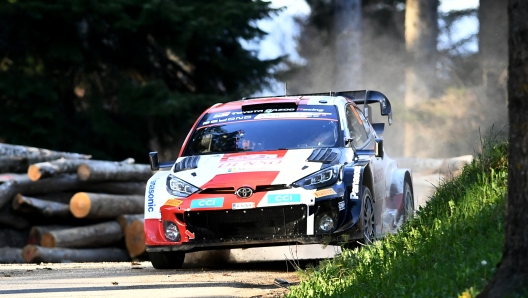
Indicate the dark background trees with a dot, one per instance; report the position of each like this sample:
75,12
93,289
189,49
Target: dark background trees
511,276
116,79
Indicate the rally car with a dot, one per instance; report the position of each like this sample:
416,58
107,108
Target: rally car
279,170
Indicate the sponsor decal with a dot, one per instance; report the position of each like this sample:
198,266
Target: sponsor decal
269,111
249,163
173,202
252,157
227,119
341,205
292,115
208,203
286,198
189,234
150,201
324,192
218,115
310,110
355,182
247,205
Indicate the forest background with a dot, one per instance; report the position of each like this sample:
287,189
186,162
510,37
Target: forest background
120,79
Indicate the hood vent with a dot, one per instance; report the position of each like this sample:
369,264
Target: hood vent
324,155
190,162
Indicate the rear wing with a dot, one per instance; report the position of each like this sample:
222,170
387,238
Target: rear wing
367,97
364,97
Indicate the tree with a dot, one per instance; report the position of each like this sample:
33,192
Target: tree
347,32
493,47
421,33
116,79
511,275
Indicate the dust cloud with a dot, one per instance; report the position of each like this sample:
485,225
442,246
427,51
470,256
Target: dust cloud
459,116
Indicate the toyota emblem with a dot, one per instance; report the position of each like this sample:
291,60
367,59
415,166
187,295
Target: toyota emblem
244,192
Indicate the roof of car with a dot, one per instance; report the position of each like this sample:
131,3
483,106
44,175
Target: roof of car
298,100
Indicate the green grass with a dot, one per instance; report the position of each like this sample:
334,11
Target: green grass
450,249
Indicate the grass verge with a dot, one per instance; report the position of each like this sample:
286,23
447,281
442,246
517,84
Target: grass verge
450,249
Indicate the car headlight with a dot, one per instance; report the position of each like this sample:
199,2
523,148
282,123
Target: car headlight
319,179
180,188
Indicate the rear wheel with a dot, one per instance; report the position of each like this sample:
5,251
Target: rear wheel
167,259
407,210
367,217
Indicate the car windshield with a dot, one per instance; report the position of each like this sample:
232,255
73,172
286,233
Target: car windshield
262,132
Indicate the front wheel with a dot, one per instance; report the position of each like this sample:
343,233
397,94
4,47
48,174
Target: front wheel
167,259
367,217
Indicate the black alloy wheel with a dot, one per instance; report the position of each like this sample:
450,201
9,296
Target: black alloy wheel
167,259
367,217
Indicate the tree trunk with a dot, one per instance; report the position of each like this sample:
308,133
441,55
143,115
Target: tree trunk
493,49
11,255
47,208
14,158
99,235
64,182
113,171
37,254
13,238
421,33
347,36
135,238
125,220
52,168
5,177
93,205
9,218
36,232
511,277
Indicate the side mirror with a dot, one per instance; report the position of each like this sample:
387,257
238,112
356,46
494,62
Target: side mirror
348,141
378,148
154,162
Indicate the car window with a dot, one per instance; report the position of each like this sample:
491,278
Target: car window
364,120
234,131
355,126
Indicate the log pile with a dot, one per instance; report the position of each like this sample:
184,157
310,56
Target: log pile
66,207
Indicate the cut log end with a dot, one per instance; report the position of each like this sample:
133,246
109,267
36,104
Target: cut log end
135,239
29,253
80,205
83,171
47,240
34,173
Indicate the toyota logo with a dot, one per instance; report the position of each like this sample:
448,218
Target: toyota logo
244,192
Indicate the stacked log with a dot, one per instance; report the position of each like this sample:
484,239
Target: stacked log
66,207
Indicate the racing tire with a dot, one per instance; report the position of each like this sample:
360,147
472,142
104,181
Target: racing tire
167,259
408,205
368,219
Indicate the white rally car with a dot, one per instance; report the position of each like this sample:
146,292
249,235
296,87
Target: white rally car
279,170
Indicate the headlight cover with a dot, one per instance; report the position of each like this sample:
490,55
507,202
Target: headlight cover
319,179
180,188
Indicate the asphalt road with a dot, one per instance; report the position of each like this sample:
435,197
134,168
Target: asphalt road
257,272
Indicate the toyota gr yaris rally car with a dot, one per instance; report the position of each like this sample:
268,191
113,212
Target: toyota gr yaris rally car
279,170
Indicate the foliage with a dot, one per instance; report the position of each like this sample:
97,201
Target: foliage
449,249
109,78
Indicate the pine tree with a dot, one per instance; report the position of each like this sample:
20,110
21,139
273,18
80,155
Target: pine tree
118,78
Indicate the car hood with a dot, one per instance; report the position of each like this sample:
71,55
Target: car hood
246,168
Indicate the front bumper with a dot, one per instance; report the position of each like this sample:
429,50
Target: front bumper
244,243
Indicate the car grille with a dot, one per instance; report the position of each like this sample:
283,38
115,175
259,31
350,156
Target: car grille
257,223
